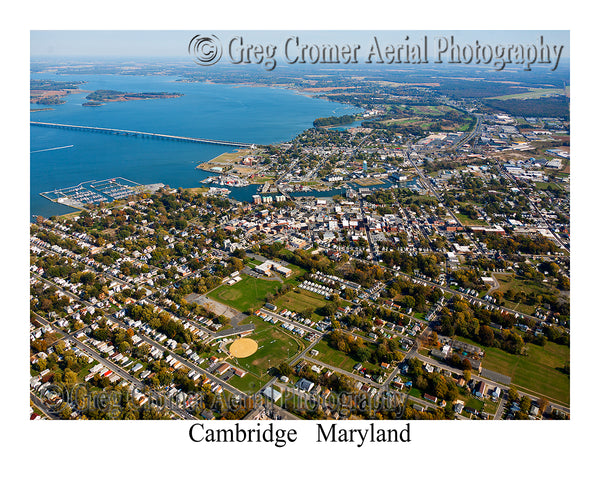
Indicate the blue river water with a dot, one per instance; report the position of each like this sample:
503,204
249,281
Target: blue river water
225,112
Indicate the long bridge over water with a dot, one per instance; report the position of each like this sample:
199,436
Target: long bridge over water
133,133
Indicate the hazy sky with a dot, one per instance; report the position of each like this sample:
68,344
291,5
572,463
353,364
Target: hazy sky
174,43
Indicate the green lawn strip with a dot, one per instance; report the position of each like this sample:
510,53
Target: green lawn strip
464,127
248,384
546,185
509,281
415,392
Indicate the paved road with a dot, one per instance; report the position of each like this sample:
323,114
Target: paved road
289,320
469,136
500,409
39,404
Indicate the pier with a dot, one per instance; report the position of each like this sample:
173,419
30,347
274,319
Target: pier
133,133
94,192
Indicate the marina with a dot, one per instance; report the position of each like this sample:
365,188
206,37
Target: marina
94,192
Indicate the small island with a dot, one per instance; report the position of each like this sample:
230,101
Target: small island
100,97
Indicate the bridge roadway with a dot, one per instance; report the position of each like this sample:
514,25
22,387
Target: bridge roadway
133,133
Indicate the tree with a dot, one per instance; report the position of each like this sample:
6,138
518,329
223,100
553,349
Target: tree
513,396
421,383
564,283
328,309
486,335
41,364
237,264
440,389
65,412
362,354
525,404
284,369
100,334
543,404
70,377
466,364
59,347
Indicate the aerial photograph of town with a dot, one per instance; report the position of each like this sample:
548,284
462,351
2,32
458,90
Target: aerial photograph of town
301,225
331,239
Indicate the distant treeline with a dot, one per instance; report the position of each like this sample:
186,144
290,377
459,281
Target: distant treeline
100,95
53,100
469,89
52,85
538,107
103,95
328,121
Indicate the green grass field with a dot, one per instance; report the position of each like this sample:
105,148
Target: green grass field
509,281
248,384
490,407
339,359
536,372
249,293
274,347
474,403
468,221
547,185
299,301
